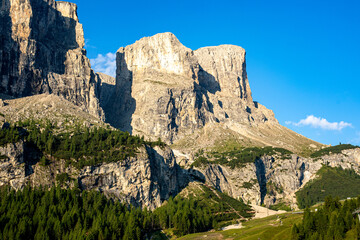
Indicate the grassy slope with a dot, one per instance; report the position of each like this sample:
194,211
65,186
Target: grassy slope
218,137
330,181
226,208
333,149
238,158
265,228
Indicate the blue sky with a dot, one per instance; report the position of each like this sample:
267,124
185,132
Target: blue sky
303,57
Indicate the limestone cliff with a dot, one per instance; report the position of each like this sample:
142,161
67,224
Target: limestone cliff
164,89
42,51
12,165
145,180
274,179
107,88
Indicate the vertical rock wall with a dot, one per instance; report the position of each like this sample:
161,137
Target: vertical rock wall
164,89
42,51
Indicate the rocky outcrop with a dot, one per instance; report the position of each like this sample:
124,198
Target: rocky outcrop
164,89
273,179
48,107
146,180
12,165
42,51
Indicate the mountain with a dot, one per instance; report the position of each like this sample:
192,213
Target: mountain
60,119
42,51
164,89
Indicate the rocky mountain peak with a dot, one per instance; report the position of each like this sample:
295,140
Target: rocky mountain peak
164,89
226,65
161,53
41,51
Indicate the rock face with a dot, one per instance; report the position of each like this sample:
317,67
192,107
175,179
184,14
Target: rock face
12,165
41,51
167,90
164,89
271,179
107,88
145,180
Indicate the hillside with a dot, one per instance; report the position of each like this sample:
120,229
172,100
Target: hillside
121,166
71,213
270,228
335,182
46,107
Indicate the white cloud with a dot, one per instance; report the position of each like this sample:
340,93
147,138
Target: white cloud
105,64
317,122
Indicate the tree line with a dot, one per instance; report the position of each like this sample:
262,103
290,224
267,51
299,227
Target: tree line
68,214
331,181
80,147
333,220
56,213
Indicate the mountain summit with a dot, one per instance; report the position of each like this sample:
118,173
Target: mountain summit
42,51
166,90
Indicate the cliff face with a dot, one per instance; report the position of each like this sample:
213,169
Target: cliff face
107,88
12,165
272,179
223,73
41,51
164,89
145,180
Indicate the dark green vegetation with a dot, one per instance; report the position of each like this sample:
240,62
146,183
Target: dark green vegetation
331,181
82,147
238,158
184,216
333,220
69,214
226,208
333,149
280,206
202,209
250,184
9,134
62,178
72,214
